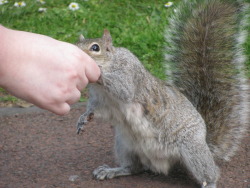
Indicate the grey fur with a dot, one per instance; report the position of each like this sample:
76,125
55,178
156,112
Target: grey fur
155,124
205,40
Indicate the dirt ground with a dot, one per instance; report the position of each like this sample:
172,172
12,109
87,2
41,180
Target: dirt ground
41,150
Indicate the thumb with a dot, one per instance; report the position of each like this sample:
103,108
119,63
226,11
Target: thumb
92,70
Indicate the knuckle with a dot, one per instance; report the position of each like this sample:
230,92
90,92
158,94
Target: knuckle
73,73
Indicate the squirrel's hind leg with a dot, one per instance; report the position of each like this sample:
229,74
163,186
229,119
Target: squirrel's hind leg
199,161
128,160
130,164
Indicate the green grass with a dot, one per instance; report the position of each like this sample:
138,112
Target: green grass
5,97
135,24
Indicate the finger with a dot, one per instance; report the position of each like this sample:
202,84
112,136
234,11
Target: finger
82,83
92,71
74,97
60,109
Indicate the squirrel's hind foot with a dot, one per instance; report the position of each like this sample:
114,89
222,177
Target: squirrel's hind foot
209,185
105,172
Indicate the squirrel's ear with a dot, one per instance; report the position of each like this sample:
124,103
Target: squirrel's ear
107,40
81,38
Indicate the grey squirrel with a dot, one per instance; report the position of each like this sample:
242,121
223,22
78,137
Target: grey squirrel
200,116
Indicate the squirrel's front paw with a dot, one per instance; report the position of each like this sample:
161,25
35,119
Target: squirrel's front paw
104,172
83,120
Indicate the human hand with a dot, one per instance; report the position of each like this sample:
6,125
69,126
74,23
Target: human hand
44,71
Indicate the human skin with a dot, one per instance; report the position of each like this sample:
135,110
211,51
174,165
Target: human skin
44,71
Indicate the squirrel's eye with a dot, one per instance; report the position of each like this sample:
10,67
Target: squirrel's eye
95,47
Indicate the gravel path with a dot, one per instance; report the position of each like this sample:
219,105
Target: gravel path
39,149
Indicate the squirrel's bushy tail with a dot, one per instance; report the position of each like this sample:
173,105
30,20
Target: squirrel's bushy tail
205,40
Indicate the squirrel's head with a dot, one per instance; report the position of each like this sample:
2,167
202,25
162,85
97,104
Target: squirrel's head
100,49
113,62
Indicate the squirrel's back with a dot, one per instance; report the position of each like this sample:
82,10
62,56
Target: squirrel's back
205,39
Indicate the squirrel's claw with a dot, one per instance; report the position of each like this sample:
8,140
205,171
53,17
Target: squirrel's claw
80,124
79,129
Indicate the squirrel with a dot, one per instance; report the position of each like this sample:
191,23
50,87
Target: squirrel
197,117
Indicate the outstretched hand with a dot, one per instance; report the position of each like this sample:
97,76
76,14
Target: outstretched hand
44,71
